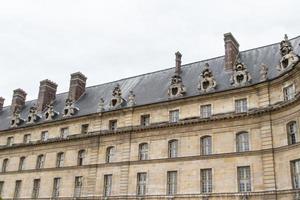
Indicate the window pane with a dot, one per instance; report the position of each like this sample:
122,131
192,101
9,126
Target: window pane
242,140
206,145
143,151
56,187
172,183
36,188
78,186
141,183
173,148
241,105
296,174
244,179
206,180
17,189
109,154
205,111
107,184
174,116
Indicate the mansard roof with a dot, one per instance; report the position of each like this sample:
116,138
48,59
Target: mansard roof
153,87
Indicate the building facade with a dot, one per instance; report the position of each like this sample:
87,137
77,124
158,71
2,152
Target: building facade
222,128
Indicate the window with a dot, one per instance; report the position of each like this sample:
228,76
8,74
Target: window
141,183
64,132
143,151
145,120
174,116
17,189
78,186
60,159
21,163
205,111
171,182
36,188
26,138
244,179
44,136
242,142
10,141
206,145
206,180
173,148
288,92
292,132
1,187
241,105
81,156
113,125
84,128
107,185
110,154
40,161
56,187
296,174
4,165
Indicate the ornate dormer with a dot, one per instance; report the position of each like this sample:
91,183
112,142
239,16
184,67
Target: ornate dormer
288,57
263,72
117,100
50,112
70,108
176,88
240,76
208,83
131,99
16,119
33,115
101,105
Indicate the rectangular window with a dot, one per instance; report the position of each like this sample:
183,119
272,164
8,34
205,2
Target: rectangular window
17,189
4,165
205,111
244,179
60,159
56,187
241,105
1,187
107,185
206,147
44,136
64,132
171,182
206,180
78,186
21,163
174,116
36,188
145,120
141,183
113,125
296,174
10,141
292,132
173,148
288,92
40,162
26,138
84,128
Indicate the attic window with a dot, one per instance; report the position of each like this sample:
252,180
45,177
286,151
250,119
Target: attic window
174,91
114,102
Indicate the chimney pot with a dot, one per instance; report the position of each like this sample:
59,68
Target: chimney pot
1,103
47,94
231,50
18,100
77,86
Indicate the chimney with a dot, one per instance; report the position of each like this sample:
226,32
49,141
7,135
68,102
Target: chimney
18,100
47,93
77,86
1,103
231,51
178,62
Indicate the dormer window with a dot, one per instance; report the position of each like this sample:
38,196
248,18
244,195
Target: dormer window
208,82
50,112
117,100
69,109
33,116
289,92
240,76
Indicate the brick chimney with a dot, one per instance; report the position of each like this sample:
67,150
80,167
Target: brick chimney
77,86
1,103
18,100
178,57
47,93
231,51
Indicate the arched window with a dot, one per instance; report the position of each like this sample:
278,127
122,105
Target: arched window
242,142
21,163
206,147
80,157
4,165
173,148
40,161
143,151
60,159
292,132
110,154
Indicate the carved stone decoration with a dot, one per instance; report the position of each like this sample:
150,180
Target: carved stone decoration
16,119
208,83
50,112
263,72
288,57
101,105
117,100
240,76
33,116
131,99
69,108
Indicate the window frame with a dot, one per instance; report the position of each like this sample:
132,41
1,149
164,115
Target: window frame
204,112
56,187
78,183
107,185
10,141
173,148
247,182
143,153
110,152
64,132
242,145
44,136
172,187
206,183
141,184
204,150
81,157
295,134
84,128
241,105
294,177
145,120
287,94
60,158
36,188
5,163
40,160
27,138
113,125
18,188
21,163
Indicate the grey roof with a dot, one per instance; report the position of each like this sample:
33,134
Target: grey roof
152,87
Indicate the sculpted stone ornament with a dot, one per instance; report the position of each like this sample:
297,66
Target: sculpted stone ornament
101,105
16,119
289,58
33,116
131,99
117,100
263,72
69,108
240,76
50,112
208,83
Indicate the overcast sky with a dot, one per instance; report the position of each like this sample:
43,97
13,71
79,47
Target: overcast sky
112,39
